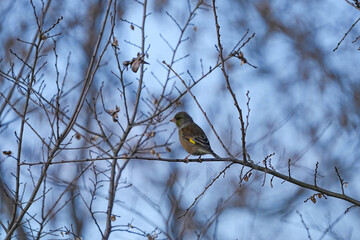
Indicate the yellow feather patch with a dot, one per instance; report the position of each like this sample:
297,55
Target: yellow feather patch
192,141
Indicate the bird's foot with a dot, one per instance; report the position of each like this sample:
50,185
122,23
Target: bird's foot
187,158
199,160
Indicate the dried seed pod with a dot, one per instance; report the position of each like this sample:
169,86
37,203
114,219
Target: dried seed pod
7,153
77,136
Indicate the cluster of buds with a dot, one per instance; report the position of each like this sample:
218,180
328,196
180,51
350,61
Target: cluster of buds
240,55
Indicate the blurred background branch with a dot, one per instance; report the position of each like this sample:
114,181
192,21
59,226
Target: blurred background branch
85,102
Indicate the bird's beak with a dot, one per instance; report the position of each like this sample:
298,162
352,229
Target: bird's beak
172,120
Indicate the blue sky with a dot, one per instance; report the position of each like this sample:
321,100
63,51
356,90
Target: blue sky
276,89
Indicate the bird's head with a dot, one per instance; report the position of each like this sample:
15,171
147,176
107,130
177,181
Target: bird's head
181,118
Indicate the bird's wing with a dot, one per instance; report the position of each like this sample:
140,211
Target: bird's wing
194,134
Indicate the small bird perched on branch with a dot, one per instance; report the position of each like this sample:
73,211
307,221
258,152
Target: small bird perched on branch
192,137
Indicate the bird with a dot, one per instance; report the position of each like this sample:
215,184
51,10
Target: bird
191,136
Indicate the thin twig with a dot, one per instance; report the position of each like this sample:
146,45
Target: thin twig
205,189
341,180
243,133
305,226
346,35
315,174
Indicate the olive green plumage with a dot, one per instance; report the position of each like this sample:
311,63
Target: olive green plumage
191,136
